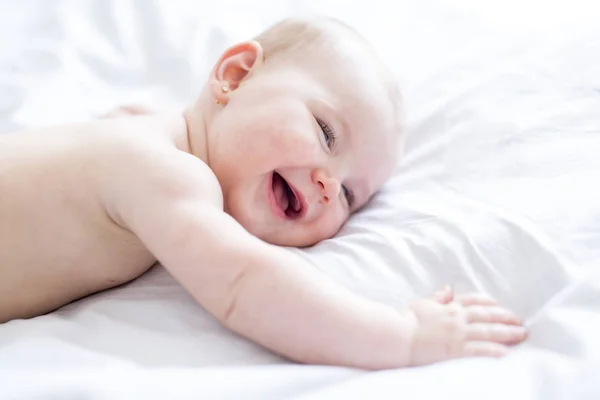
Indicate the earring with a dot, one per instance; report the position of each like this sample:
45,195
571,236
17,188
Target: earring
224,90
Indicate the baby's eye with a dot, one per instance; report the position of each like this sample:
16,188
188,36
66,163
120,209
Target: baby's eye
327,133
348,194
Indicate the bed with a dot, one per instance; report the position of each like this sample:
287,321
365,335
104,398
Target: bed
497,192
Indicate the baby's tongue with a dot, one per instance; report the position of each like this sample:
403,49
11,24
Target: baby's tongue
280,193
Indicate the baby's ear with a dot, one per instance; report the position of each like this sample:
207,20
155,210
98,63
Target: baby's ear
233,67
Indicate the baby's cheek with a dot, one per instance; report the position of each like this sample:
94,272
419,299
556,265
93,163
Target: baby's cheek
296,151
298,145
330,225
292,134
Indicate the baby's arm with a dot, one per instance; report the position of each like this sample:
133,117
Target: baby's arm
274,298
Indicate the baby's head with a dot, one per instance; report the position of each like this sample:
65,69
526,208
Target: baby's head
302,127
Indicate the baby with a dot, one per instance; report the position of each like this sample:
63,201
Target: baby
293,132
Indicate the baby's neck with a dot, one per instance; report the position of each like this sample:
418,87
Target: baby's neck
195,140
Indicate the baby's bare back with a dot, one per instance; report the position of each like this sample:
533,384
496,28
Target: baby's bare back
57,240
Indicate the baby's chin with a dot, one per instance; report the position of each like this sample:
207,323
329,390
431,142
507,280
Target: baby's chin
253,221
274,233
287,236
279,240
268,232
266,227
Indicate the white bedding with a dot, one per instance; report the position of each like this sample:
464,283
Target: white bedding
498,192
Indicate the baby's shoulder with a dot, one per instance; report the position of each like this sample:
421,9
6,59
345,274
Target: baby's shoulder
139,161
132,137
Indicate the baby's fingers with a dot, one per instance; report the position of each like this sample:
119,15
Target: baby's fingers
484,349
500,333
444,296
493,314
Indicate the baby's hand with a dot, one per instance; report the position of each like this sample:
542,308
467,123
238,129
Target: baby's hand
471,325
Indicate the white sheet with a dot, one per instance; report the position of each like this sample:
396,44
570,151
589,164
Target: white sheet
497,193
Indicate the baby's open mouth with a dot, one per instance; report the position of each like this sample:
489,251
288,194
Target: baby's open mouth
286,197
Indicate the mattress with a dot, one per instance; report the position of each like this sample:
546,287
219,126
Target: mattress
495,194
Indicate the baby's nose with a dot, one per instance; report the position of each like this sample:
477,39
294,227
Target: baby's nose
328,185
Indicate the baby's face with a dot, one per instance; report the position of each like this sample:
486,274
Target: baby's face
301,145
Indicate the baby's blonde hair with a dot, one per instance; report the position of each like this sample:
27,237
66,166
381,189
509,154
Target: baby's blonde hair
294,36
